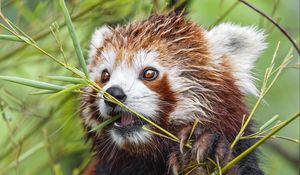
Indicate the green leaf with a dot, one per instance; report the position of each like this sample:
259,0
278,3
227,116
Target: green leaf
269,122
57,170
75,70
105,123
12,38
43,92
67,90
67,79
74,37
32,83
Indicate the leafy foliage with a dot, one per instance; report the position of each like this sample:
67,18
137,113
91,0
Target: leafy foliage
41,134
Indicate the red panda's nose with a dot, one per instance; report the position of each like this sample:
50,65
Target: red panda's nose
116,92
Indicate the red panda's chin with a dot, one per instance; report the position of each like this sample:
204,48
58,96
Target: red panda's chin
129,135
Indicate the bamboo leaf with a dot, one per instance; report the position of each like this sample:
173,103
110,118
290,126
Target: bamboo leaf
75,70
74,37
10,38
269,122
105,123
66,90
43,92
66,79
58,170
32,83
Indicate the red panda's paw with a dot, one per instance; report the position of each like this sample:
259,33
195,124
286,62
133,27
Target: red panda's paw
178,165
208,148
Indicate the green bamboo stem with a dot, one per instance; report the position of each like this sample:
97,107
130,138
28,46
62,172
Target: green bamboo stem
10,38
74,37
33,83
258,143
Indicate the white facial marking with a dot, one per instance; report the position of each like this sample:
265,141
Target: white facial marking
108,57
117,138
146,58
139,137
97,40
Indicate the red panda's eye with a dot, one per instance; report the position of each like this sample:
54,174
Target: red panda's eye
105,76
149,74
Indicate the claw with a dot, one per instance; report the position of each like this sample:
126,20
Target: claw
175,170
198,156
181,145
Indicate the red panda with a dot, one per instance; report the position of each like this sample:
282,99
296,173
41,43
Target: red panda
171,71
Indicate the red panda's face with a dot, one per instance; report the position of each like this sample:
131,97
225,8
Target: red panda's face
137,79
140,79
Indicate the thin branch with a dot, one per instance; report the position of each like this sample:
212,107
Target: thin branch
178,5
258,143
225,14
275,23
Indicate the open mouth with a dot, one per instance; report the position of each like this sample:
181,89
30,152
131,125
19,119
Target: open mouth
128,130
128,122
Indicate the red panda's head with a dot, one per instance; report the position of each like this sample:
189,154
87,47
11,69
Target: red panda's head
169,70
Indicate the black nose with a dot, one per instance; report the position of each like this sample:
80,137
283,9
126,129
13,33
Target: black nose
116,92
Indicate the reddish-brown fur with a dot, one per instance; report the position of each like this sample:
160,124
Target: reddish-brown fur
178,42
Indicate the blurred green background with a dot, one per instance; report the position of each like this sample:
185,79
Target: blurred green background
42,135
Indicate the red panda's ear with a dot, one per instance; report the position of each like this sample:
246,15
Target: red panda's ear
97,40
241,46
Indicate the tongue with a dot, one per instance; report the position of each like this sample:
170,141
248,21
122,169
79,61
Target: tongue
126,119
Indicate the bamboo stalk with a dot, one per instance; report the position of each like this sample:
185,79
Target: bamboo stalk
258,143
74,37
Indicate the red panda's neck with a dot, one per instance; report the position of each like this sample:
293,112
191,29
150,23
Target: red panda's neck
122,164
230,109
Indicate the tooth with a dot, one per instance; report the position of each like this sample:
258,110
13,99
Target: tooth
116,124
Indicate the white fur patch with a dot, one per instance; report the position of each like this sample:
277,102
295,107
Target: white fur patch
189,104
97,40
137,137
108,57
242,46
146,58
117,138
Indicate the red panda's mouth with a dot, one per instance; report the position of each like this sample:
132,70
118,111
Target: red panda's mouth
128,121
128,130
